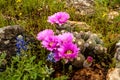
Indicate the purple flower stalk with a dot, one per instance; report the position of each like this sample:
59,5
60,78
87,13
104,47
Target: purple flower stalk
20,44
45,33
50,57
50,43
68,51
59,18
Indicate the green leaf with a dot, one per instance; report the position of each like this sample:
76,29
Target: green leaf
25,77
32,58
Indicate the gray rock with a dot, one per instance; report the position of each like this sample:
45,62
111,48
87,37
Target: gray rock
83,7
113,74
117,55
8,36
73,25
112,15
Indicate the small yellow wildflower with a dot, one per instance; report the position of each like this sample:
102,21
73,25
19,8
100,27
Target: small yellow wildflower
104,15
20,14
18,1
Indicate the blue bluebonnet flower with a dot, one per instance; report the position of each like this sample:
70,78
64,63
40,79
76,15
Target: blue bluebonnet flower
20,44
50,57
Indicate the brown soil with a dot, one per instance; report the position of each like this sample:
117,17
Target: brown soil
95,72
92,73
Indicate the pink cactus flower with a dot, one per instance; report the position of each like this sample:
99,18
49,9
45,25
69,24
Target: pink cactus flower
57,56
45,33
61,45
59,18
68,51
50,43
89,59
65,37
51,19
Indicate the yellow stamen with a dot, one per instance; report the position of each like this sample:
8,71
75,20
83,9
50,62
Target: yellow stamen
51,43
68,52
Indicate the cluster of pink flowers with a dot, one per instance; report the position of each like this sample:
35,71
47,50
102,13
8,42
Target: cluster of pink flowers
61,45
58,18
